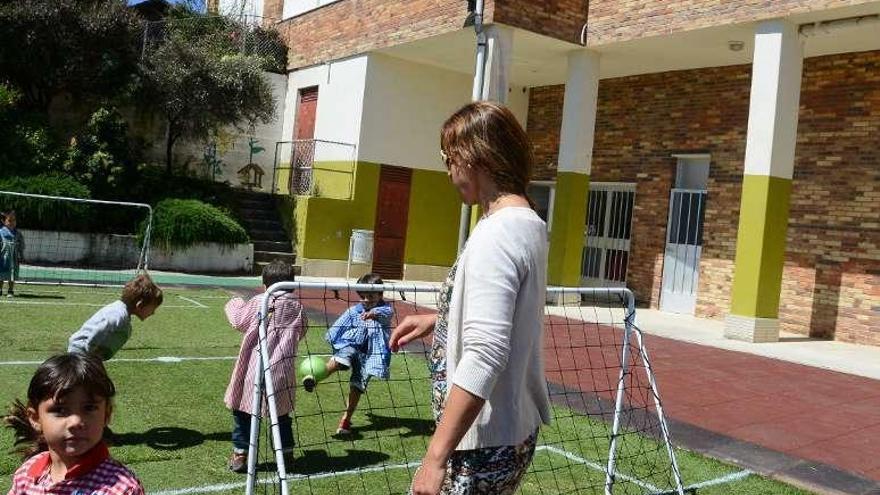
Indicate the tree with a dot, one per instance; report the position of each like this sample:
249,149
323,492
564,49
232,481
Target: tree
88,49
200,79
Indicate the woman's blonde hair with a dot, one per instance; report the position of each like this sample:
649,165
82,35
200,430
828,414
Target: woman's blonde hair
487,136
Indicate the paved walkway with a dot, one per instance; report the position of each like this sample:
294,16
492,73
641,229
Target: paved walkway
777,408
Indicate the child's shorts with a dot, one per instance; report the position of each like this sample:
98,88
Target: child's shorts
351,358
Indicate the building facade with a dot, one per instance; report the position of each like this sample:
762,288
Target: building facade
720,158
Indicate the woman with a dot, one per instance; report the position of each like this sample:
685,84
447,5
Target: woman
489,393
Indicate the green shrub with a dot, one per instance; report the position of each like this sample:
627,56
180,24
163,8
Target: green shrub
180,223
26,145
36,213
101,157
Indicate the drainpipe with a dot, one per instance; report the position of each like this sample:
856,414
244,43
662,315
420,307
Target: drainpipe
477,94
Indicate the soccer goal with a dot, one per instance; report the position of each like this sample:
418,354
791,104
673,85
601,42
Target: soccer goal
76,241
608,435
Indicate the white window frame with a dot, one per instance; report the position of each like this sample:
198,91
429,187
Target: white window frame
289,10
551,199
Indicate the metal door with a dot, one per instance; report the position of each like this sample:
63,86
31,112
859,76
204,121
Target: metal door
684,246
392,212
607,235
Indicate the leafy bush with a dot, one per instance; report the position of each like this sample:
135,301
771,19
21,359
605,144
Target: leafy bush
34,213
101,156
26,146
180,223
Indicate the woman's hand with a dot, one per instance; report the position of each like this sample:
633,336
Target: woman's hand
429,478
412,327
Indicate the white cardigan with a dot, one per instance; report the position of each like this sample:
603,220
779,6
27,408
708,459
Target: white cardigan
495,327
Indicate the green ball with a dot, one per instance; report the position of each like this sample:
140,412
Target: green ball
315,366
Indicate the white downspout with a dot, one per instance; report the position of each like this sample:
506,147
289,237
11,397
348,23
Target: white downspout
477,94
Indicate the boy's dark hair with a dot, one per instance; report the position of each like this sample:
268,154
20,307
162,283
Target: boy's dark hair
370,278
141,290
277,271
56,377
4,214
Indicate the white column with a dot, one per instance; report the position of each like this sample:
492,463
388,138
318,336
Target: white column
579,112
774,101
766,187
499,51
573,172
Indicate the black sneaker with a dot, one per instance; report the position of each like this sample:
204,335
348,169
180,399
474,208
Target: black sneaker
309,383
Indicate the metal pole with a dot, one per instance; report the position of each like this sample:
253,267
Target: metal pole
269,387
664,428
621,385
478,93
256,412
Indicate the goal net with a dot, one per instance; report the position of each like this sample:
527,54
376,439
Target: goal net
608,434
77,241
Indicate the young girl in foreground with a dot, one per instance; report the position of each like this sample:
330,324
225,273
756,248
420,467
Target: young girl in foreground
60,432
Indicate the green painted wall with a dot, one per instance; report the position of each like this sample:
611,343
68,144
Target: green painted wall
333,179
432,226
567,232
760,246
324,224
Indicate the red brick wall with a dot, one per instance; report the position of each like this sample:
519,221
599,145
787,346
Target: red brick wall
834,230
351,27
561,19
835,219
619,20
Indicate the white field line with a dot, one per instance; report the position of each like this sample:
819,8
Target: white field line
84,304
198,304
721,480
159,359
172,359
300,477
580,460
294,477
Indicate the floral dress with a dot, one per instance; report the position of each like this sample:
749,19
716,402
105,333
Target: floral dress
490,470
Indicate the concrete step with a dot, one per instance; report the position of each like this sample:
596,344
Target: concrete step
256,204
253,224
277,235
269,256
251,194
258,268
257,214
273,246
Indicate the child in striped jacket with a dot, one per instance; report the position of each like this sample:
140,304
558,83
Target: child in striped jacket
287,326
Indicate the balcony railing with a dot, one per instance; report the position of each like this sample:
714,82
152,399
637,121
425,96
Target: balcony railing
311,167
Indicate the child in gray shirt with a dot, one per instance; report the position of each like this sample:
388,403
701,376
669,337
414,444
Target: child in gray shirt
109,329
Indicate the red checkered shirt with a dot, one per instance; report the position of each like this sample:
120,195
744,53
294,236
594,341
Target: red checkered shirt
95,474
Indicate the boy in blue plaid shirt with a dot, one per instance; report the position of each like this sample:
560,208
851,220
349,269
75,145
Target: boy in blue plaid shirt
359,339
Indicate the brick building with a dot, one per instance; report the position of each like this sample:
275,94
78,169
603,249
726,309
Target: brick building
719,157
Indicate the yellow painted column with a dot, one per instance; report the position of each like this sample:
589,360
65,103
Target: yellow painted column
573,174
766,189
567,233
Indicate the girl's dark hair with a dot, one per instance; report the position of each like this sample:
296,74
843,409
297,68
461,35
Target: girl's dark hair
278,271
369,278
56,377
487,136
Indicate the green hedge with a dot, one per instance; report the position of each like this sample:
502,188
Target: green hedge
180,223
38,213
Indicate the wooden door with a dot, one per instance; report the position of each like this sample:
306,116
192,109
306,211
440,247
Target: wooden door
305,113
392,211
303,150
